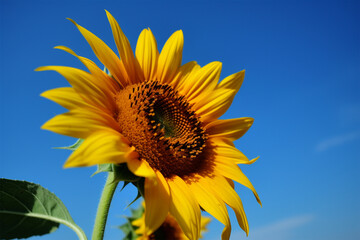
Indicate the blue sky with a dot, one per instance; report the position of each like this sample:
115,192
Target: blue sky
302,61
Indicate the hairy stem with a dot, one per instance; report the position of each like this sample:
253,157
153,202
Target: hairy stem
103,208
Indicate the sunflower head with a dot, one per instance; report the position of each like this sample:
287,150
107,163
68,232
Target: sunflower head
160,119
169,229
163,128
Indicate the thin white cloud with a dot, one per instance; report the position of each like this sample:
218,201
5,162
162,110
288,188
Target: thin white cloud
279,230
336,141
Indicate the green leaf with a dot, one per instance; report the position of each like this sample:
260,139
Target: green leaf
74,146
128,228
106,167
137,213
28,209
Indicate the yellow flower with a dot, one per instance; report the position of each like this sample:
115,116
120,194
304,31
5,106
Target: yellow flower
161,119
169,229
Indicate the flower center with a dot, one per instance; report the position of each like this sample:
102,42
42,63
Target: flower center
160,124
170,229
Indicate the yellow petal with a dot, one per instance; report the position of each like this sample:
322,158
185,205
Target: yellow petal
105,55
170,57
185,71
225,192
126,54
213,105
211,204
226,151
66,97
82,83
184,208
142,237
230,128
203,81
80,123
233,81
140,167
101,147
157,197
204,222
100,79
232,171
138,222
147,54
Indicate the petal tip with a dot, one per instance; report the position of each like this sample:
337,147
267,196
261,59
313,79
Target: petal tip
39,69
45,126
253,160
60,47
108,14
179,35
72,21
218,64
69,164
44,94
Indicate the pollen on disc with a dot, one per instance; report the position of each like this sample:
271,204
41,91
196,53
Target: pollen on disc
160,124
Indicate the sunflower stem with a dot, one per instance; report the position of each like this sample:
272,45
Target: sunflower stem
104,206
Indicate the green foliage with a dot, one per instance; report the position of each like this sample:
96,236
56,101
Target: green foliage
136,198
128,228
106,167
128,231
136,213
121,171
73,147
28,209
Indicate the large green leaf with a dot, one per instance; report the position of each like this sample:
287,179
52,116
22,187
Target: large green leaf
28,209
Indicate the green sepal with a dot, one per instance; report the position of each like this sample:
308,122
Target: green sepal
73,147
125,184
122,173
106,167
138,194
136,198
27,209
140,186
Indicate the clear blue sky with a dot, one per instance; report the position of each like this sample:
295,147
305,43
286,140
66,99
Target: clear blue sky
302,86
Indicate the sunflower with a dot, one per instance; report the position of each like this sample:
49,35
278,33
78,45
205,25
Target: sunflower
160,118
169,229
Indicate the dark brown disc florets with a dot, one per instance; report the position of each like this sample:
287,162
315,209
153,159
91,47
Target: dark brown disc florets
170,229
160,124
